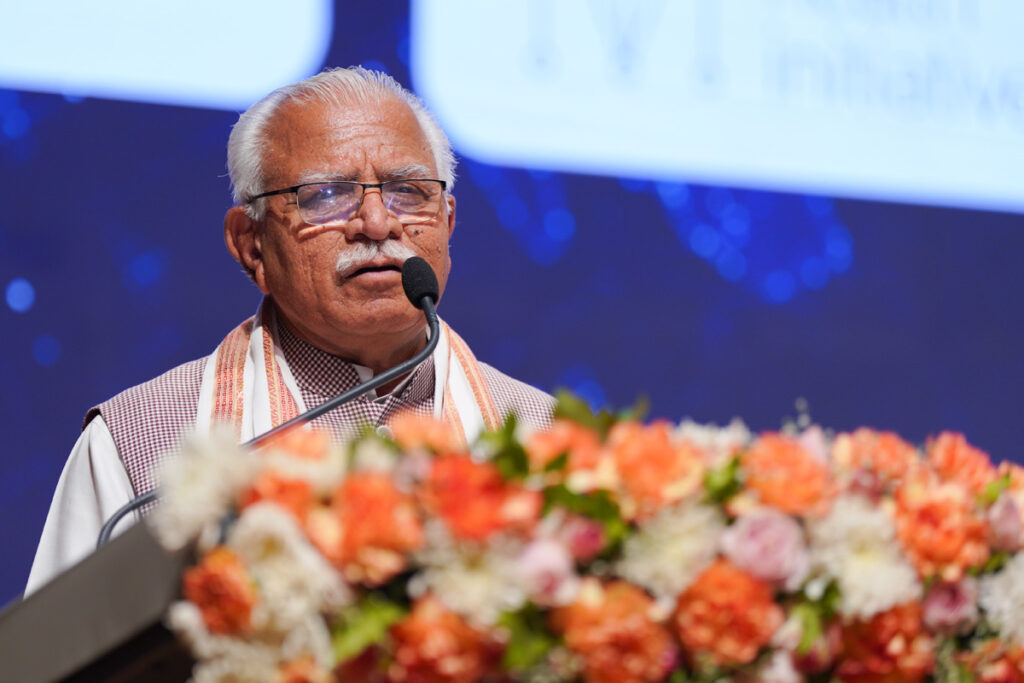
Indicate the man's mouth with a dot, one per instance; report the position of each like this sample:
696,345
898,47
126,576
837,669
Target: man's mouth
374,269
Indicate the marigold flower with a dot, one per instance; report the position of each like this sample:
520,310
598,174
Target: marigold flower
413,431
655,469
956,460
611,628
727,614
223,591
882,453
564,436
304,443
434,645
475,501
891,647
376,526
293,495
786,476
994,661
302,670
937,526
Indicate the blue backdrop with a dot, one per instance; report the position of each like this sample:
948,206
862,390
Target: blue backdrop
714,301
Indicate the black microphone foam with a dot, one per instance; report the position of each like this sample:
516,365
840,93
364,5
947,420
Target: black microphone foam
418,281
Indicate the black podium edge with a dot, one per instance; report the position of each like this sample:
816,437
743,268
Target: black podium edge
99,620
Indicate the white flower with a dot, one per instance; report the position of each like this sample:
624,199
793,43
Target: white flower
323,475
478,585
1002,598
295,581
220,658
856,545
671,549
717,443
309,637
198,486
374,455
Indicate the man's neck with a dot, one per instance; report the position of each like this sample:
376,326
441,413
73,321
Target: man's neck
376,354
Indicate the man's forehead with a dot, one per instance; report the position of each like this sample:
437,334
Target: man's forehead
319,141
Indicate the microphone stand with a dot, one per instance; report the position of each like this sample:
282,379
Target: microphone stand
426,303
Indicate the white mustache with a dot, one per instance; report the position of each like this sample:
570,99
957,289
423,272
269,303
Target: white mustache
361,254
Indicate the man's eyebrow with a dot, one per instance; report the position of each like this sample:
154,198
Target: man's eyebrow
407,171
321,177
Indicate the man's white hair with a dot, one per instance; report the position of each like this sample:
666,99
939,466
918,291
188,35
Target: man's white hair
354,85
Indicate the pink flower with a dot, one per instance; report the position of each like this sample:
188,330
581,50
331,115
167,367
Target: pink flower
1005,524
814,442
777,669
769,545
585,537
548,572
951,608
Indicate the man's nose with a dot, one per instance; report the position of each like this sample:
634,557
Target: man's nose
373,220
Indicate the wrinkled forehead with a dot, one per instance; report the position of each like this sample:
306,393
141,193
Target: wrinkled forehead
343,138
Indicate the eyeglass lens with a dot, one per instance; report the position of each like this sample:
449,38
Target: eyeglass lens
410,201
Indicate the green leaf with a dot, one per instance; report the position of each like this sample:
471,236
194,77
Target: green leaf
947,669
723,483
994,563
507,453
811,629
529,640
363,624
991,492
679,676
557,464
569,406
596,505
638,411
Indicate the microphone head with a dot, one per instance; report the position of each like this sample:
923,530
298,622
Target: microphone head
418,281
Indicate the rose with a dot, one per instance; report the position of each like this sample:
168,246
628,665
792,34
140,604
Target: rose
951,608
769,545
1005,527
548,573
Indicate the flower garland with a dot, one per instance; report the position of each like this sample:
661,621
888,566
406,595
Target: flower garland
599,549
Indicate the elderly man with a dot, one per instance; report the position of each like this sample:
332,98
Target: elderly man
338,179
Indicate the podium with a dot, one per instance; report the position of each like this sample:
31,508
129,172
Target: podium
101,620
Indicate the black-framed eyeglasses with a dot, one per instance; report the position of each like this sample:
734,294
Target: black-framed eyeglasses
334,202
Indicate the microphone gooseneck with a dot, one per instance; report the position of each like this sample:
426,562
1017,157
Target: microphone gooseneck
420,285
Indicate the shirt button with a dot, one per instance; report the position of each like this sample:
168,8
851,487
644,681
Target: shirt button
385,432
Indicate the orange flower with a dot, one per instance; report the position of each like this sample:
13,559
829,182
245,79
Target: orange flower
373,527
785,475
995,662
413,431
939,529
564,436
474,500
610,627
1016,474
891,647
956,460
302,670
728,614
434,645
294,495
304,443
883,453
654,468
221,588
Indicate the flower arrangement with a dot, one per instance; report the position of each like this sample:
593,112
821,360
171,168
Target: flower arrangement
599,549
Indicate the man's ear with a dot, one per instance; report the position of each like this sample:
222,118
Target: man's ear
242,237
451,214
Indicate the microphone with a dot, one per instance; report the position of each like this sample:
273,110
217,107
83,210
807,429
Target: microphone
421,288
